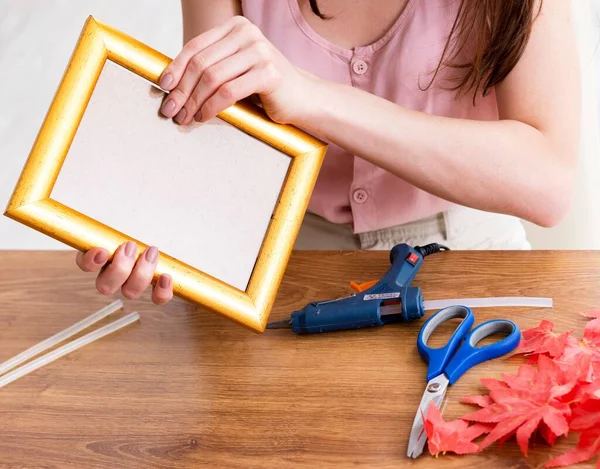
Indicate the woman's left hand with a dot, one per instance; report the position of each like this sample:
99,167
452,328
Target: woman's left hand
227,64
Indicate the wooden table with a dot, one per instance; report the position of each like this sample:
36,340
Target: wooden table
184,388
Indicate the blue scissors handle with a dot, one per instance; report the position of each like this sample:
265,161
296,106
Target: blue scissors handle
462,352
438,358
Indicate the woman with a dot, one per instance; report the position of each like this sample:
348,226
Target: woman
448,120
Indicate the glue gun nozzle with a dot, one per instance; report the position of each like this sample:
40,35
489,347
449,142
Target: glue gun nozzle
283,324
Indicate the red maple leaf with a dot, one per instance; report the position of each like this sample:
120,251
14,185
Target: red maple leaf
528,399
586,407
587,447
456,436
546,434
590,391
586,416
493,384
582,393
583,354
480,401
523,380
595,314
582,358
593,326
542,340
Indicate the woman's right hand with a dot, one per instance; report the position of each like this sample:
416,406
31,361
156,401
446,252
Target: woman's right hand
125,273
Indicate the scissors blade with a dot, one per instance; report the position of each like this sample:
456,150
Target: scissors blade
434,392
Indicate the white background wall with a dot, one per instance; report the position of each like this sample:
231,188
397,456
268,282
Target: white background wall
581,228
36,41
38,36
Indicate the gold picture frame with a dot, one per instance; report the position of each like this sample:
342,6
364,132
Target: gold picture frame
31,204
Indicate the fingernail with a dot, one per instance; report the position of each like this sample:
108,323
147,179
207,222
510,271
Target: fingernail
152,254
181,115
168,108
101,257
166,81
130,249
198,117
165,281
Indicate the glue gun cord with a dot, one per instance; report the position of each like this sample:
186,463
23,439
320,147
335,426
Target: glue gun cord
432,248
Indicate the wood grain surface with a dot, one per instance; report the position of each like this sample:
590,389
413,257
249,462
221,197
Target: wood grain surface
185,388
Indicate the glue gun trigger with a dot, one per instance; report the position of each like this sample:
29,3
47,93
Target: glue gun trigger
361,287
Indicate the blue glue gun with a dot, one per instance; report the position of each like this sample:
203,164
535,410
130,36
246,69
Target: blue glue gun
390,300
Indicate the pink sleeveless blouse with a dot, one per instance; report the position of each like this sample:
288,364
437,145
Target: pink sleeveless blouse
396,67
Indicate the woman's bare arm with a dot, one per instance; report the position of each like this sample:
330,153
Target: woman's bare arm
201,15
523,165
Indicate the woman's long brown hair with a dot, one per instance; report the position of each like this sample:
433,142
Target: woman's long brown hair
486,41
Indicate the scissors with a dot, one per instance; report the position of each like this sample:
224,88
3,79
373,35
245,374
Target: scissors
447,364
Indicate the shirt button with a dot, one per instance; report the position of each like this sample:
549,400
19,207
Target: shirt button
360,196
360,67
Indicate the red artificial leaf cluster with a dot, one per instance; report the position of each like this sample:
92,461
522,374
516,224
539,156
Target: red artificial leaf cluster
456,436
555,393
542,340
